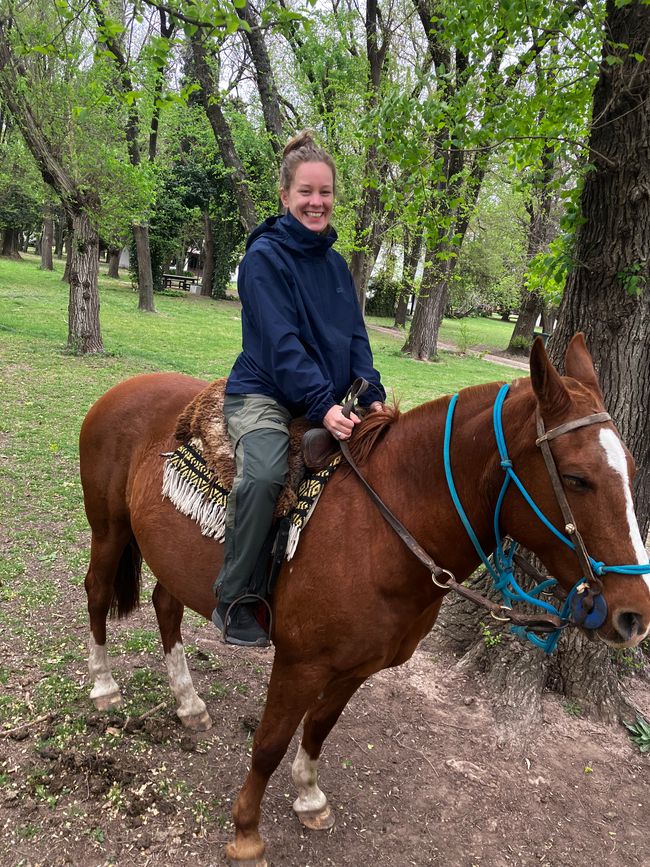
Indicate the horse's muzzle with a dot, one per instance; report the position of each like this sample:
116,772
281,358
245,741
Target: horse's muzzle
589,610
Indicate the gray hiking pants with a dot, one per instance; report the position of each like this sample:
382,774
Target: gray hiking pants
259,431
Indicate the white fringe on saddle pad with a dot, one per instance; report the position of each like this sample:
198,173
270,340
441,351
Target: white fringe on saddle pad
192,501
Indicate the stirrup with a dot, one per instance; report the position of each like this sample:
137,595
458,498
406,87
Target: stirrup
238,601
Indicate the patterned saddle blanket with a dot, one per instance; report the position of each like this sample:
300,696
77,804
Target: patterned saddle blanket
198,475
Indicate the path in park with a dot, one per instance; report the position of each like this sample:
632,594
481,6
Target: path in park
451,347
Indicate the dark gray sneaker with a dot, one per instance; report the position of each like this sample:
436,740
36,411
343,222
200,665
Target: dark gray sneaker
241,626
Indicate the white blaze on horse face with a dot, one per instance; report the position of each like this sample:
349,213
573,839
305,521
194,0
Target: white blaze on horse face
616,460
304,773
180,681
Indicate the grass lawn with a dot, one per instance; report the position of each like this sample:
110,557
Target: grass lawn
473,332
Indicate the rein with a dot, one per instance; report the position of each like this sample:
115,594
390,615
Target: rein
584,605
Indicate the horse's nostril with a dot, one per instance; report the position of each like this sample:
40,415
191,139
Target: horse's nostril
629,624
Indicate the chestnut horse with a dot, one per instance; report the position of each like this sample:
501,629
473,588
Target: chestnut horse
354,600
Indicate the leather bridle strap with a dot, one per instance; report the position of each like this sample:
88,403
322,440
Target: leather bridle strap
594,584
539,622
595,418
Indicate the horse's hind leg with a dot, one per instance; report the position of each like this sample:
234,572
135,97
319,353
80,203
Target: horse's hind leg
291,691
110,553
191,709
311,805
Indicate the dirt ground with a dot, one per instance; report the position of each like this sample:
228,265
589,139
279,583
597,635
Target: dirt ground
412,771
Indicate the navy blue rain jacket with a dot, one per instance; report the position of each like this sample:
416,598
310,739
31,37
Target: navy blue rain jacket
303,335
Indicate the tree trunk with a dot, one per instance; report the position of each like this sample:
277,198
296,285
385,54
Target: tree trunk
413,250
46,244
222,133
521,338
608,292
264,79
422,341
58,237
10,244
114,262
208,256
84,333
145,279
68,253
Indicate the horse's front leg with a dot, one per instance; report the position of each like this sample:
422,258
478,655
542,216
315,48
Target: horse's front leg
106,550
292,689
191,709
311,805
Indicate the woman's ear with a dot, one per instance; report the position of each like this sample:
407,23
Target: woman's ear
284,198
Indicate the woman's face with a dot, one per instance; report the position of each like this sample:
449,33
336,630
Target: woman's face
310,196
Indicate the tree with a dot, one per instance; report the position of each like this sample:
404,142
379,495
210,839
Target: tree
486,94
109,37
608,291
608,297
84,334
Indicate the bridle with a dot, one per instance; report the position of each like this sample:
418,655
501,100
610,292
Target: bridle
584,605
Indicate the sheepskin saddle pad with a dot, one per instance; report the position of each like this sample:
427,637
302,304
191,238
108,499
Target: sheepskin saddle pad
199,474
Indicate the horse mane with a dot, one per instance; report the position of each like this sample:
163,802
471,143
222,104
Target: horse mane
372,428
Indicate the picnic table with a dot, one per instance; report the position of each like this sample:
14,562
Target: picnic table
176,281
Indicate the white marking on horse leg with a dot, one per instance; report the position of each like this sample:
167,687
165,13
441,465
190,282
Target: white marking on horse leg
180,681
105,691
616,460
304,773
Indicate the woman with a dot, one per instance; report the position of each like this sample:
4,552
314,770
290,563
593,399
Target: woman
304,342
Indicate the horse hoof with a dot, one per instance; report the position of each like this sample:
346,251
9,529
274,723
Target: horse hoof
197,722
234,861
318,820
108,702
248,862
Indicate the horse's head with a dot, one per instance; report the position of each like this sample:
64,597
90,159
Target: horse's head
595,473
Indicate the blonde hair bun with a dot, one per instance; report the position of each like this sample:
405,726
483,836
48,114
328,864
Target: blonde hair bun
302,148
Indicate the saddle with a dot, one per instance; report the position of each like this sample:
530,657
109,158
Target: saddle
310,446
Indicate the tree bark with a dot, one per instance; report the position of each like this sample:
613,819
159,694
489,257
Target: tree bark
84,335
608,291
68,252
58,235
46,244
10,244
114,262
208,256
422,342
264,78
222,133
145,279
522,335
413,250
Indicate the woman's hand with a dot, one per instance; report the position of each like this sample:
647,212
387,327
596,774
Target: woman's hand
338,425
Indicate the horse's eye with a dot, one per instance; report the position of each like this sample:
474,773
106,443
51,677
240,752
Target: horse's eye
576,483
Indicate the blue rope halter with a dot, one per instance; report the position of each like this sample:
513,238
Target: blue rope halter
501,568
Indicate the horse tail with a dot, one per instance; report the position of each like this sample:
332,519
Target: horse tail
126,588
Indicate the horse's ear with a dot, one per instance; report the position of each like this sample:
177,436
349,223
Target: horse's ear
547,383
579,364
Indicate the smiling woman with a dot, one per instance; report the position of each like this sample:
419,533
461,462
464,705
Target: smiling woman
304,343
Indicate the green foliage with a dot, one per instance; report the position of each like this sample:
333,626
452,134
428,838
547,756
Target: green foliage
21,189
382,296
572,708
490,638
640,733
634,278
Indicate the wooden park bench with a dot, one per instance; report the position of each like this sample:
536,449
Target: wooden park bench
175,281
